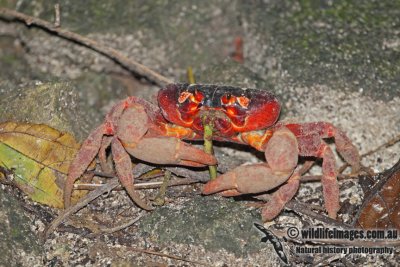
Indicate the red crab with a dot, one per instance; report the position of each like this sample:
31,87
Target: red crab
152,134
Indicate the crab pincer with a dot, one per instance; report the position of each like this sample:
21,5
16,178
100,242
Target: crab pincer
281,153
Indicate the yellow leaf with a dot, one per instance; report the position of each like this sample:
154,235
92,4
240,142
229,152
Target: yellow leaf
39,157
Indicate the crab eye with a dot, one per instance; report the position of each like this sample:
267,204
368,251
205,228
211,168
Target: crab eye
243,101
198,96
228,99
183,96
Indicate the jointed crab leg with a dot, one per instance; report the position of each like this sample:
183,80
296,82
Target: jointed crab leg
103,155
85,156
309,136
280,197
123,167
312,134
91,146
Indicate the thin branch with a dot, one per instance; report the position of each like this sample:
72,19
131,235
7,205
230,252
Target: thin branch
387,144
57,19
165,255
305,209
317,178
326,260
109,52
82,203
104,231
139,186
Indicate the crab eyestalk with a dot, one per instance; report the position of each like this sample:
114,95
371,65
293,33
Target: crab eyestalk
208,145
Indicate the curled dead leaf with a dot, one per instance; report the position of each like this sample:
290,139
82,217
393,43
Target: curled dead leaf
38,158
381,205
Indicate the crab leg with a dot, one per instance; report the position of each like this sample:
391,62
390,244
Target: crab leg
91,146
310,145
282,155
280,197
326,130
85,156
310,136
102,154
123,167
329,182
347,150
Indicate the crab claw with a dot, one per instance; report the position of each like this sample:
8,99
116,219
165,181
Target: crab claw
247,179
169,150
282,155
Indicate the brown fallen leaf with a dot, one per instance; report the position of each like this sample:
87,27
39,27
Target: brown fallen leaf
38,158
381,205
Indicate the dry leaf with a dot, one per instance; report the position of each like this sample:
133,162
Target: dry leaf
39,157
381,205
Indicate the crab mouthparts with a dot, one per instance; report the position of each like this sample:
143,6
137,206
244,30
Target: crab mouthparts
218,120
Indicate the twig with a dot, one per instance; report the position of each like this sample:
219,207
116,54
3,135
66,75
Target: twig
139,186
304,209
301,208
104,174
142,176
104,231
326,260
82,203
57,20
165,255
306,166
387,144
111,53
317,178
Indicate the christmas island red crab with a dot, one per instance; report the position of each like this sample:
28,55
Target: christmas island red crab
248,116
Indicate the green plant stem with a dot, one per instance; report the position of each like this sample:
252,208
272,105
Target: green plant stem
208,145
